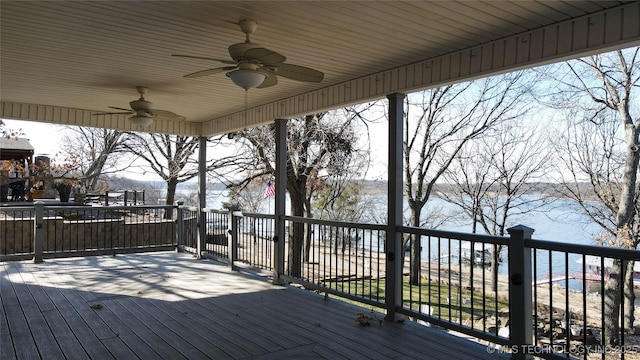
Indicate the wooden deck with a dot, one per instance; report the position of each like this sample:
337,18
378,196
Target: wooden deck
171,306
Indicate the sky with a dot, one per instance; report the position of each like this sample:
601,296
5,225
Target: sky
44,137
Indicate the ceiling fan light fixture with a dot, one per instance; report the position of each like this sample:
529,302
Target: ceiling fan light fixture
141,121
247,78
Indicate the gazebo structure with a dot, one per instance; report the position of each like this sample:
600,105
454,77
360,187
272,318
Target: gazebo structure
16,154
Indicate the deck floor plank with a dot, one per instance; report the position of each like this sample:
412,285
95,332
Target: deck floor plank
305,321
81,307
143,331
34,326
312,313
182,322
134,342
172,306
229,323
82,331
59,323
87,338
176,340
6,342
258,327
204,340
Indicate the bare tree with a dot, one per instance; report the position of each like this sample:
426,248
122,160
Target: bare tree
445,119
493,179
172,157
96,152
600,147
319,146
249,196
169,156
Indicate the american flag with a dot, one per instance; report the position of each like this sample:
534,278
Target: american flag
270,190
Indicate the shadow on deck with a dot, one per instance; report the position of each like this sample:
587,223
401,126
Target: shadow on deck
171,306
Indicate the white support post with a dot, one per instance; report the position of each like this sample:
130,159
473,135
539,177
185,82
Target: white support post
202,196
520,294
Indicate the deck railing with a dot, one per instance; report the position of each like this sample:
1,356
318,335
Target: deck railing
338,257
553,293
454,287
216,241
187,219
43,231
569,296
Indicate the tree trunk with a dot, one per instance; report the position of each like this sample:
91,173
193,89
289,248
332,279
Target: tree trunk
611,311
308,234
624,237
495,263
172,183
333,237
629,297
296,236
415,271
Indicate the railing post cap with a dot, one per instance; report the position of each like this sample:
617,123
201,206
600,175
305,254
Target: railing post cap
520,228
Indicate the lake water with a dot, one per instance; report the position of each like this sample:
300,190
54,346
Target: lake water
561,221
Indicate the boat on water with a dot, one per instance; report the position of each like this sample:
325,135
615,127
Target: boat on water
480,256
594,269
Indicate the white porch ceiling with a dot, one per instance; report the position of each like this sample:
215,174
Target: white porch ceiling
61,61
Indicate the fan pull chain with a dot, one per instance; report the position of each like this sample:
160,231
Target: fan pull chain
246,106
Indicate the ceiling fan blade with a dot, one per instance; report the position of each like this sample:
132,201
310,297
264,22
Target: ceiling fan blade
300,73
113,113
230,62
265,56
209,71
270,80
167,115
119,108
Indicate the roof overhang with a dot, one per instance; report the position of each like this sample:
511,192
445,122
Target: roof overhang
64,61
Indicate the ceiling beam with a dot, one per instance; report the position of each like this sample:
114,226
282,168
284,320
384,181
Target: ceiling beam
79,117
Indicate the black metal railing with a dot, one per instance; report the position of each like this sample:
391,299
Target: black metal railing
188,218
342,258
454,286
45,231
570,292
554,293
216,242
255,240
448,281
16,232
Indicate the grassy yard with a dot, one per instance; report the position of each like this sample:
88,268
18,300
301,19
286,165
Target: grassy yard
447,302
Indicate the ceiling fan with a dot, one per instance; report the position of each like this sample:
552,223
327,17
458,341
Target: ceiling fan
143,111
256,66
